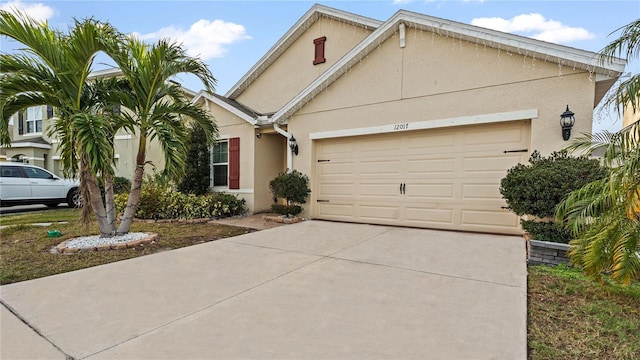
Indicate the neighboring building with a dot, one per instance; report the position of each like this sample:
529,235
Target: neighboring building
412,121
629,116
31,143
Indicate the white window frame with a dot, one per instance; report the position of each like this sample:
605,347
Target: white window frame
213,164
27,119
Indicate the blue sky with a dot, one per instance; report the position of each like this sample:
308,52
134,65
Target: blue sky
232,35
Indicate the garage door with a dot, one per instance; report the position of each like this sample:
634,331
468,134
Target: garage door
444,178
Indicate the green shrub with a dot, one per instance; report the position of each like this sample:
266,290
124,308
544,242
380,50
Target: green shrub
537,188
196,175
547,231
293,187
288,210
159,200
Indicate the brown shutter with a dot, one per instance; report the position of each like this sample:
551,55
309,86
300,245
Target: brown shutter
319,53
234,163
20,123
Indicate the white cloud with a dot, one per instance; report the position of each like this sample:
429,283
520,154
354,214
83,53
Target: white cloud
536,26
205,39
37,11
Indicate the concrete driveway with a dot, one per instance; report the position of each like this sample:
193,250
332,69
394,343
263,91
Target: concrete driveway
314,290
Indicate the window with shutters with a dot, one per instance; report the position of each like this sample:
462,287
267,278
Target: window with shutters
225,164
220,163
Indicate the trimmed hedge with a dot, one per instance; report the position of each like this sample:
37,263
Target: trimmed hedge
538,187
160,201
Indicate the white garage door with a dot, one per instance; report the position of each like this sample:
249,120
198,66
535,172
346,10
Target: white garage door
444,178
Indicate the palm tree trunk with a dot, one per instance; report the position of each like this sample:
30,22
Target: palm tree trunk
90,185
109,201
136,189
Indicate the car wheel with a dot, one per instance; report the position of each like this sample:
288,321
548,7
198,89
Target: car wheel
52,205
74,200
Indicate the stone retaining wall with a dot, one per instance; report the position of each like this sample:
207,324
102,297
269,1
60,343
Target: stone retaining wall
547,253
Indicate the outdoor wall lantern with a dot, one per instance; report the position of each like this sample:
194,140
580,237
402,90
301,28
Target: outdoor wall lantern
566,121
293,145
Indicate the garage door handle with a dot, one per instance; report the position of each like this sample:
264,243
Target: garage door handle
403,188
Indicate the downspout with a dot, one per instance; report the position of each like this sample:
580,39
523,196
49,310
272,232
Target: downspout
277,128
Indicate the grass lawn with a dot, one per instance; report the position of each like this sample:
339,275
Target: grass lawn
25,250
572,317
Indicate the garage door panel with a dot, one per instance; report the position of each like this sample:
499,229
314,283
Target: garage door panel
436,141
336,211
451,176
336,168
489,218
336,189
421,215
430,166
495,134
373,147
424,192
338,149
377,212
391,190
388,167
494,164
490,192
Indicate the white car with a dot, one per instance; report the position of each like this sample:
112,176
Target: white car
23,184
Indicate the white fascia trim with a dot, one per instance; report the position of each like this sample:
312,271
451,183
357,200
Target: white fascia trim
429,124
123,137
31,145
507,42
224,105
291,36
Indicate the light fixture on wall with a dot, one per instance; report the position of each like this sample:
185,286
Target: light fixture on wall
566,121
293,145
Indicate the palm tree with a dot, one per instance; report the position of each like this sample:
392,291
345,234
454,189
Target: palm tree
604,216
157,107
53,69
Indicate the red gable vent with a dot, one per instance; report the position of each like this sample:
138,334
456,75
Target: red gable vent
234,163
319,43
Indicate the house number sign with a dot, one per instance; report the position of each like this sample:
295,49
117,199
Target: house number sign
398,127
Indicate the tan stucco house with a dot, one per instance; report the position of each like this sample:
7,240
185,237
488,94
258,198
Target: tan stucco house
412,121
32,144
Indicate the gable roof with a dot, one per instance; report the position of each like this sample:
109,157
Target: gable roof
230,105
309,18
606,73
